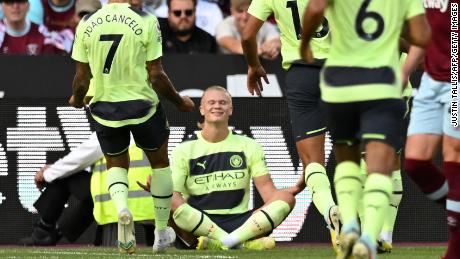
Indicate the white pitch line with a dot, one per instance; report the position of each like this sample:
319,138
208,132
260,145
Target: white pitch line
133,255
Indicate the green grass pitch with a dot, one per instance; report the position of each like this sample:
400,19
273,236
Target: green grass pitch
282,252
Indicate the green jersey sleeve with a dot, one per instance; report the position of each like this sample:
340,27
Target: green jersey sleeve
261,9
179,170
154,48
79,52
257,165
415,8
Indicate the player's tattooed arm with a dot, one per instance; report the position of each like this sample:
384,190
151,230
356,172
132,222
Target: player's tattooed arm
314,14
162,85
80,84
255,70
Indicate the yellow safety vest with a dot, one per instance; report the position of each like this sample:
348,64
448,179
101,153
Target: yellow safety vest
140,202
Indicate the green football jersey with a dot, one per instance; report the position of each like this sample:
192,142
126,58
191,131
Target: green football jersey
116,41
364,60
215,177
289,16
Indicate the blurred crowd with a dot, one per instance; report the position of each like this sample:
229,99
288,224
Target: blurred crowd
35,27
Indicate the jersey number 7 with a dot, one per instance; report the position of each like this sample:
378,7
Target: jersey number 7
115,38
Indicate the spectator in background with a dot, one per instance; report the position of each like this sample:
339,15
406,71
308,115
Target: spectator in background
229,31
20,36
151,6
208,14
179,32
58,14
224,6
35,13
59,18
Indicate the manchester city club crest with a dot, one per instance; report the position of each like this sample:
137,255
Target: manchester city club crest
236,161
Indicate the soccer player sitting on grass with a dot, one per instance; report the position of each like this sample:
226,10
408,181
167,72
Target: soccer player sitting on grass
212,173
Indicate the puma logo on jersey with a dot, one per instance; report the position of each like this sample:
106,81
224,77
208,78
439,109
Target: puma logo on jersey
203,165
442,5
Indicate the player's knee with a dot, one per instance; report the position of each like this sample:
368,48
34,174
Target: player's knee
451,150
421,146
176,202
309,152
159,161
287,197
380,157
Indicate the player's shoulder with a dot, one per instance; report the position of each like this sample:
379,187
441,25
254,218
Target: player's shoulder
263,3
243,139
189,141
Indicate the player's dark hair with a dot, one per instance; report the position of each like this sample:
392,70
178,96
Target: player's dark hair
13,1
168,2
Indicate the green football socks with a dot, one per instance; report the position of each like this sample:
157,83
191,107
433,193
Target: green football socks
376,200
396,197
318,183
363,166
161,189
261,222
194,221
348,187
117,183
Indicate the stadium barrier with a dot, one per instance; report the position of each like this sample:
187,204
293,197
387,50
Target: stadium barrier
37,127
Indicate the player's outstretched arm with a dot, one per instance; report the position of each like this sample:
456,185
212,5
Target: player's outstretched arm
255,70
80,84
162,85
314,13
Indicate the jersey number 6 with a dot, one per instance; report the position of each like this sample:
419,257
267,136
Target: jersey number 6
115,38
363,15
